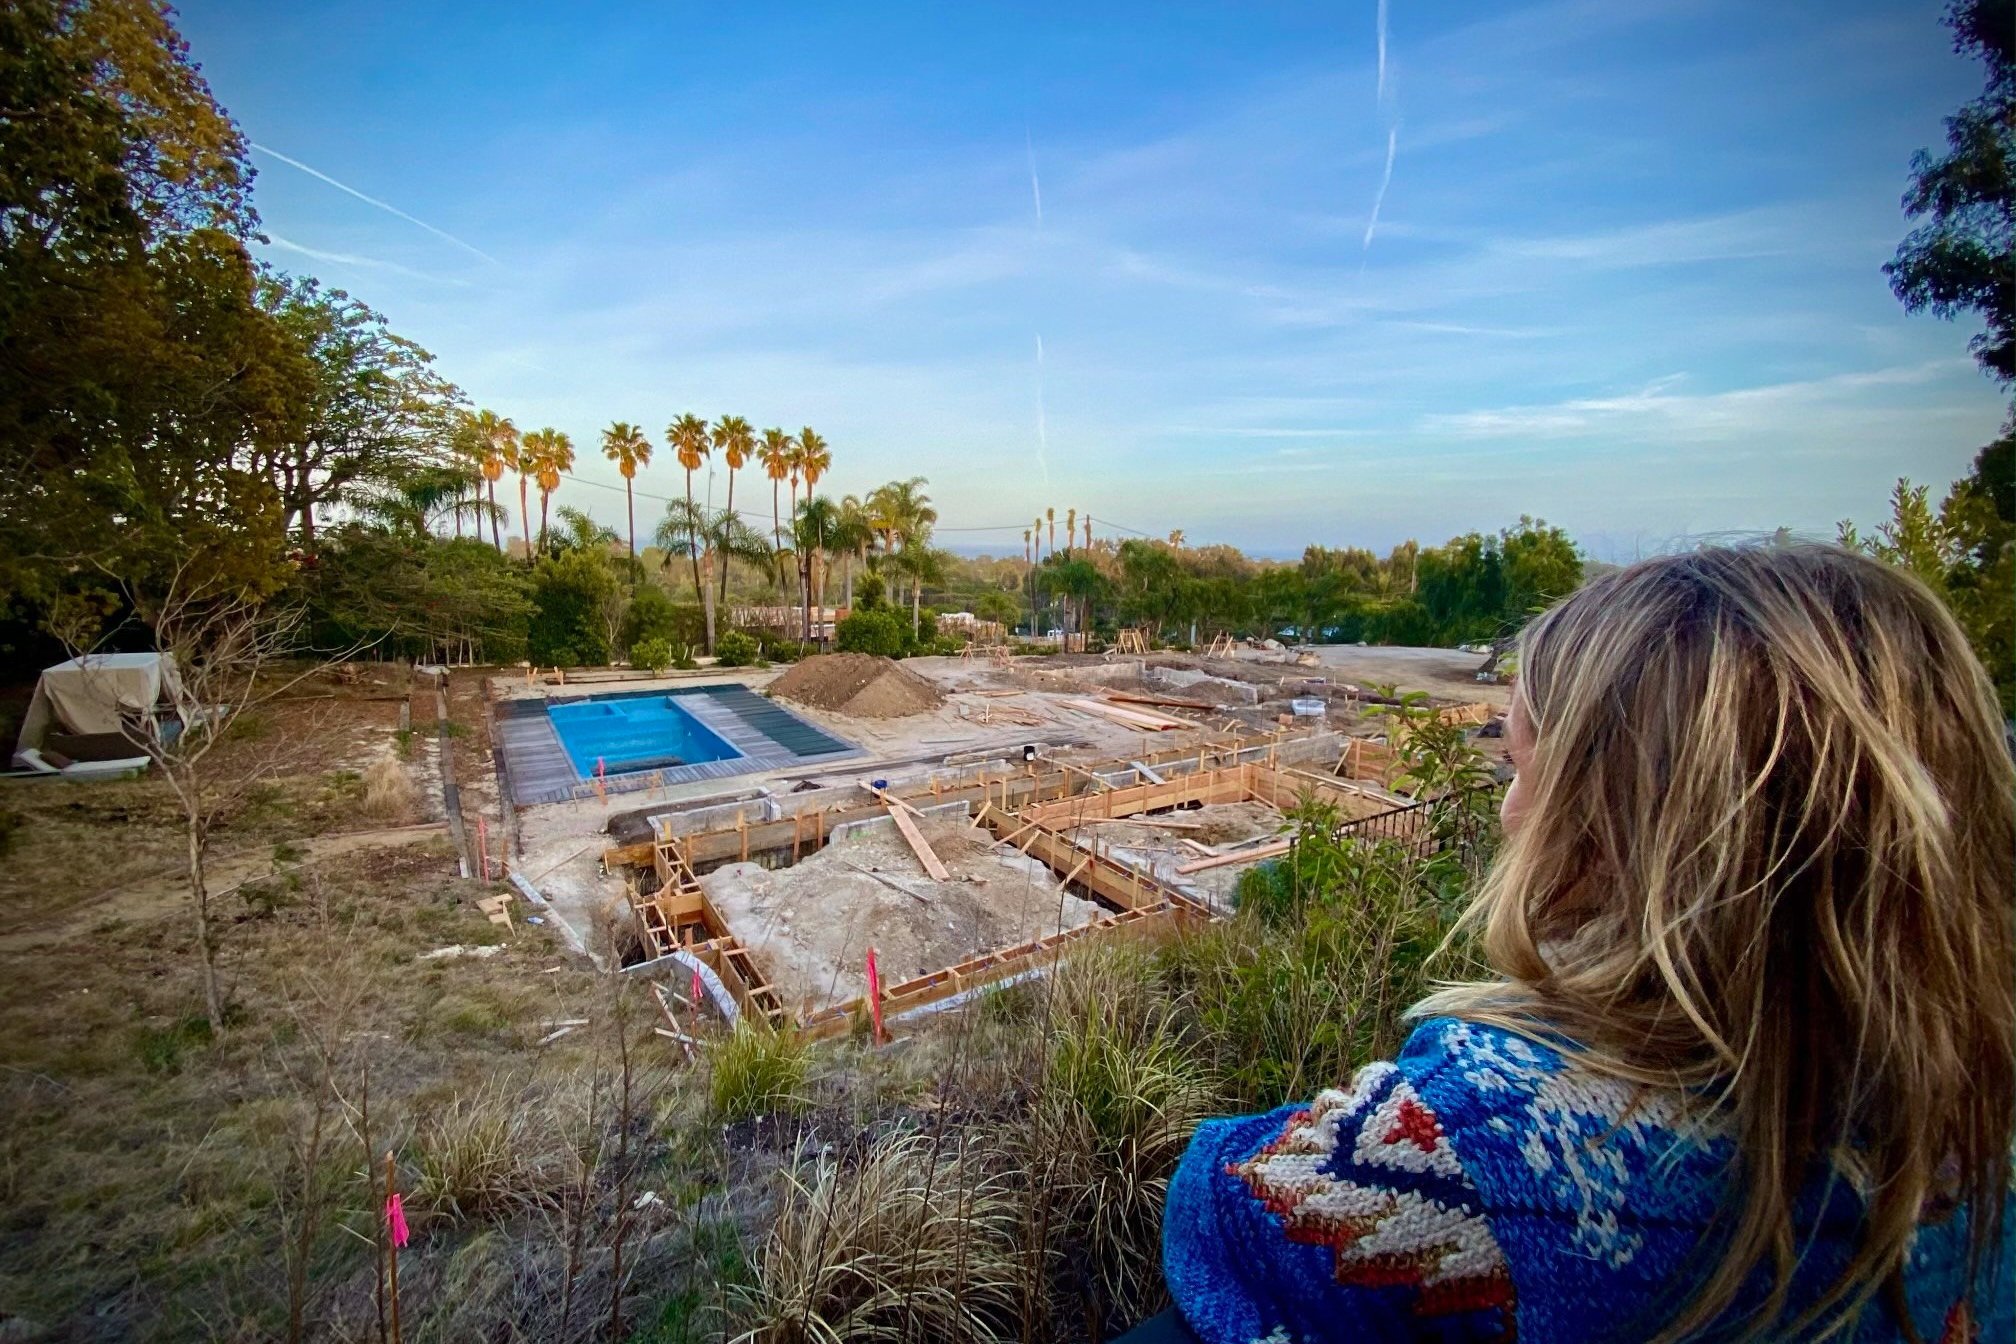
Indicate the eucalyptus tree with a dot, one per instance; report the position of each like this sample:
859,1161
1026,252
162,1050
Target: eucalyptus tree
625,445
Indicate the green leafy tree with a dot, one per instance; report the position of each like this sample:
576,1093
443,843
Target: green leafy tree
718,535
876,630
377,408
737,648
570,593
1962,258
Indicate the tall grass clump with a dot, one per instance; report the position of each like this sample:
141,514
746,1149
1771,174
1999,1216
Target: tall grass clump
489,1154
756,1070
916,1241
388,789
1121,1092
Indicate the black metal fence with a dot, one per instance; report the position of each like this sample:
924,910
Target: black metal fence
1465,824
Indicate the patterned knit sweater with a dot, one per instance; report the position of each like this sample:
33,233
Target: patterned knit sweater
1484,1187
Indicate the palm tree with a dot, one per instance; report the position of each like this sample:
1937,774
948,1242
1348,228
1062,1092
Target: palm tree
1051,515
776,454
712,532
810,459
902,513
1037,527
736,441
625,445
552,453
852,535
409,506
1088,531
578,532
523,458
687,437
814,457
1176,538
499,438
813,531
1070,530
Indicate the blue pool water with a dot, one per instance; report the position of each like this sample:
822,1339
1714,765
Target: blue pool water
644,732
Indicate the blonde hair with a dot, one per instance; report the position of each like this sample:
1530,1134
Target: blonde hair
1767,857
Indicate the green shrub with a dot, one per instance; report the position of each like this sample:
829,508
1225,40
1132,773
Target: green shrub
878,631
737,648
651,653
756,1070
160,1049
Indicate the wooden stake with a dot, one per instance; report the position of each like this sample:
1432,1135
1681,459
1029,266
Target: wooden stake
392,1247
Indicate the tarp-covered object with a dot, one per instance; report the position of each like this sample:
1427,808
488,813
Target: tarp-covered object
91,695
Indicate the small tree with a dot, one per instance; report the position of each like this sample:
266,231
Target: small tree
225,644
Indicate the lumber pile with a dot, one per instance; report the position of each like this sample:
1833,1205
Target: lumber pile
1131,717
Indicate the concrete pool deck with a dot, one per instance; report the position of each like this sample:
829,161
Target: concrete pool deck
764,735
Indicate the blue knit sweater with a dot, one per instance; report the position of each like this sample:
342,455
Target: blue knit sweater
1484,1187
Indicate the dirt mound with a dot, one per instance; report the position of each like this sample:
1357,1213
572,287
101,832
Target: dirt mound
859,684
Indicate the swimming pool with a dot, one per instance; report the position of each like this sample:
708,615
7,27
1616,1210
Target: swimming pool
634,733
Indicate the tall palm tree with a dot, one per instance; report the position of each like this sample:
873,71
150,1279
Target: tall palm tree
687,437
1037,527
1051,516
1176,538
1070,530
553,453
1088,531
735,441
810,459
625,445
776,454
523,457
500,442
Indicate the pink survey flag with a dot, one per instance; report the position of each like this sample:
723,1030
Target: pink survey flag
874,994
696,989
395,1218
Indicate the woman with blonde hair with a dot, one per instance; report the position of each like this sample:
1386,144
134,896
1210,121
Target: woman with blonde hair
1747,1067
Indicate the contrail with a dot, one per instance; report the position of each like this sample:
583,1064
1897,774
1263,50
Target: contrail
353,259
1385,180
373,200
1036,187
1042,429
1382,53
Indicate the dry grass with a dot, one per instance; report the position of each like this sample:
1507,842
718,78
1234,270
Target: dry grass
388,790
495,1151
917,1241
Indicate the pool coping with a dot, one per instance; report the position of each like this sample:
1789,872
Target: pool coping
540,770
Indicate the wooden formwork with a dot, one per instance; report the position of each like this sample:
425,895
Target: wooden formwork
1013,806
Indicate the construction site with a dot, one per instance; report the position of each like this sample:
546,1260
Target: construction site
935,826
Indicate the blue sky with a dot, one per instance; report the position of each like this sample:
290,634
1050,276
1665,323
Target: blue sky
1149,261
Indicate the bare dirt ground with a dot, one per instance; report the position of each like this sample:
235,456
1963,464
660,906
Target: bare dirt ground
1440,672
810,925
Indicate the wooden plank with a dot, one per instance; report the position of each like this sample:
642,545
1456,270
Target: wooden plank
925,854
1274,850
1174,702
1162,823
1128,718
